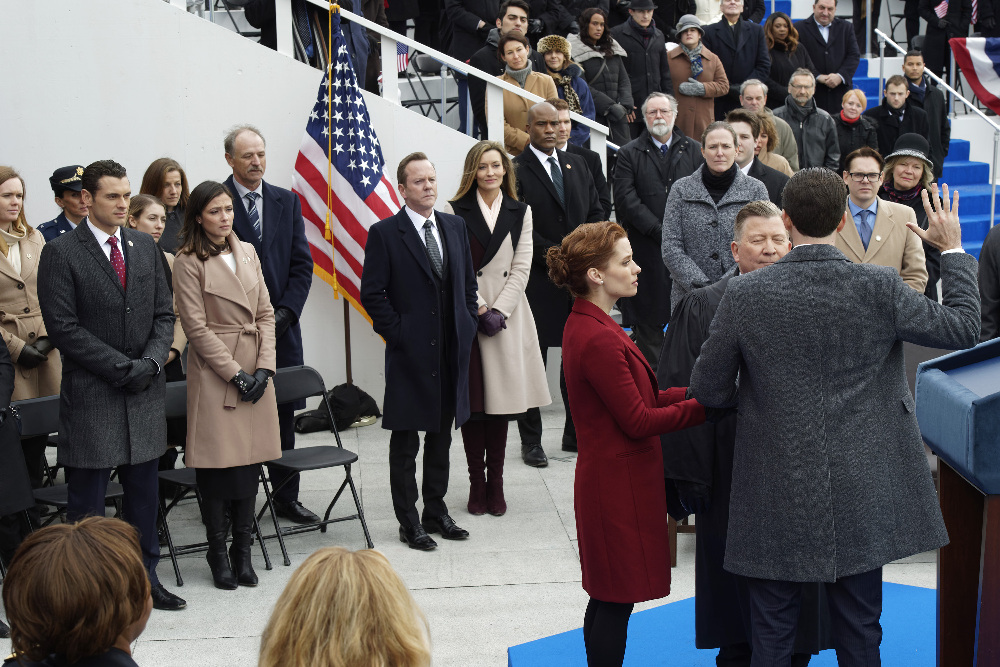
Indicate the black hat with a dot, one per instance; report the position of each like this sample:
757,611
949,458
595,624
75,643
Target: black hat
912,145
642,5
67,178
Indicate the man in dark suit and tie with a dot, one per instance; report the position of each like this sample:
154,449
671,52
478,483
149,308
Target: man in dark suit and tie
270,218
747,127
593,160
561,193
419,288
742,49
834,51
830,480
108,309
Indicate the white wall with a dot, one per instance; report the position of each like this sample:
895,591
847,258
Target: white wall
134,80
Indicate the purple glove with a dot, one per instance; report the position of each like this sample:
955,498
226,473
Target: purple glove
491,322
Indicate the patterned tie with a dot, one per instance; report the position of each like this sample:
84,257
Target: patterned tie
253,213
866,227
663,149
117,261
432,249
557,179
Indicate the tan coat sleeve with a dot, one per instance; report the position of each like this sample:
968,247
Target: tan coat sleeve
520,266
914,268
190,300
718,85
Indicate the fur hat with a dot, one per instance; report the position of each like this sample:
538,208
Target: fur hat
555,43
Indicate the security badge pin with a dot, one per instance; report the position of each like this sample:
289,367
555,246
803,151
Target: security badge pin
130,244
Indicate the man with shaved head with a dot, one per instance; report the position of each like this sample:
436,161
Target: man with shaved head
561,193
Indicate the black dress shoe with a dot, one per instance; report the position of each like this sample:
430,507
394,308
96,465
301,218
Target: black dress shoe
534,456
416,538
445,525
294,512
165,600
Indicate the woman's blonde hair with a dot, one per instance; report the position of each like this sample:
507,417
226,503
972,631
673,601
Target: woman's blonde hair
509,183
138,205
345,609
855,92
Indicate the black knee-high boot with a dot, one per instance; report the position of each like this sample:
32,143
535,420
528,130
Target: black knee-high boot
213,512
239,552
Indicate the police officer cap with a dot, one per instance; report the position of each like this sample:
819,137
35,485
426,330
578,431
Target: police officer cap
67,178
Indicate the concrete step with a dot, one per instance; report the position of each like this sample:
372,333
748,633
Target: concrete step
963,172
958,150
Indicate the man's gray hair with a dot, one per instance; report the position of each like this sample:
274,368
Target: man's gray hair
753,82
230,141
760,208
802,71
669,98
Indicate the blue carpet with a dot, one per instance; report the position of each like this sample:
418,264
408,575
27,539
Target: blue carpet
665,636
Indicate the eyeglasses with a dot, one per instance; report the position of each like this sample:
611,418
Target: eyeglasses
802,86
652,113
858,177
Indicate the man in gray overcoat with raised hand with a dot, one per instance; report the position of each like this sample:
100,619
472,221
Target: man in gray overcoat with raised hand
108,309
830,480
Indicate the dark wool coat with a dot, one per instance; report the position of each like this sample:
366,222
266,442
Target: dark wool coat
647,65
642,180
842,487
97,324
939,133
398,293
852,136
618,493
840,55
772,179
783,64
465,15
747,59
888,128
551,221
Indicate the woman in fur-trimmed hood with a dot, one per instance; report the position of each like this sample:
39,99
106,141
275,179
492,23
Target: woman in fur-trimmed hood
570,84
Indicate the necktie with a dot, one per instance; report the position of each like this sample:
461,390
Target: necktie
557,179
866,227
663,149
253,213
117,261
432,249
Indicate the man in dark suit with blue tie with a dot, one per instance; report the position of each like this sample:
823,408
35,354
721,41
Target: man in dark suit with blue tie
833,49
107,307
419,288
270,218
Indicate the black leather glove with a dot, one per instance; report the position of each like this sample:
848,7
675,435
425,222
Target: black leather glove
943,24
616,112
694,496
30,357
261,377
139,374
244,382
987,23
283,318
491,322
535,26
44,345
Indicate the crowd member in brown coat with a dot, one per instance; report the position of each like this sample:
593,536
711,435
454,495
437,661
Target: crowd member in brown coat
514,49
506,374
232,415
698,76
37,366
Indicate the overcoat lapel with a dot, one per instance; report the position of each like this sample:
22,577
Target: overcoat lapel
412,241
89,241
222,282
880,231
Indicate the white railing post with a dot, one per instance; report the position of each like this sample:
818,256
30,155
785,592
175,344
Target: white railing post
494,112
444,91
599,144
390,77
881,63
868,29
283,26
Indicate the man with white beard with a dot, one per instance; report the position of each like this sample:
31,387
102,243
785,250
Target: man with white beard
647,167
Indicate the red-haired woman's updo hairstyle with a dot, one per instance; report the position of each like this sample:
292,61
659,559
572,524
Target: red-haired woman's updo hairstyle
591,245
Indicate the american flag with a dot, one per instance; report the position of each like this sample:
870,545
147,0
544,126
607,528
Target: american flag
362,193
402,56
941,9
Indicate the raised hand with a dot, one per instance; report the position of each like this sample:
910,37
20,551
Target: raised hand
943,229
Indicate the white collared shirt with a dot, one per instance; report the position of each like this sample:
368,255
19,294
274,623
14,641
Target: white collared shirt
102,239
746,169
824,31
418,222
544,159
242,192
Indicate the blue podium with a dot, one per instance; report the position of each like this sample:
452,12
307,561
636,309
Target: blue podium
958,409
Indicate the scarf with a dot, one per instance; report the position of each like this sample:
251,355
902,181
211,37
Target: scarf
694,55
564,82
917,91
647,33
718,184
849,121
901,196
10,239
519,75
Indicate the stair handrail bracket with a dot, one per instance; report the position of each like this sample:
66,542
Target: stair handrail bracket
884,39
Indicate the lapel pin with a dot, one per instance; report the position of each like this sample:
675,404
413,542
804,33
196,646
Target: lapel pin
878,238
569,166
29,255
129,244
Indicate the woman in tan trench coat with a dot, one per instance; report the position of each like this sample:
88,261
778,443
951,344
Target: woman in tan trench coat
232,415
514,50
506,374
37,367
696,93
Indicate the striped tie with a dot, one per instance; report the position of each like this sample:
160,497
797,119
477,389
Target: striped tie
557,179
253,213
432,249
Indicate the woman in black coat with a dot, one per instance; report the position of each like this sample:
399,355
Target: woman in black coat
601,58
854,129
786,56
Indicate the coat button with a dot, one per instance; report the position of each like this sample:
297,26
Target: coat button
31,335
714,223
479,273
20,286
504,274
715,255
434,374
434,311
128,350
27,310
128,310
434,341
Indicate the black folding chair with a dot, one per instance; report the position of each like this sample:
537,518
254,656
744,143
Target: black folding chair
40,416
16,497
293,384
185,481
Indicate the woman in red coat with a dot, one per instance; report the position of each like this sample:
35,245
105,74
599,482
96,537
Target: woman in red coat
621,507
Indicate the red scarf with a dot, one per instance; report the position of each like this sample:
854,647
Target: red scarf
850,121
